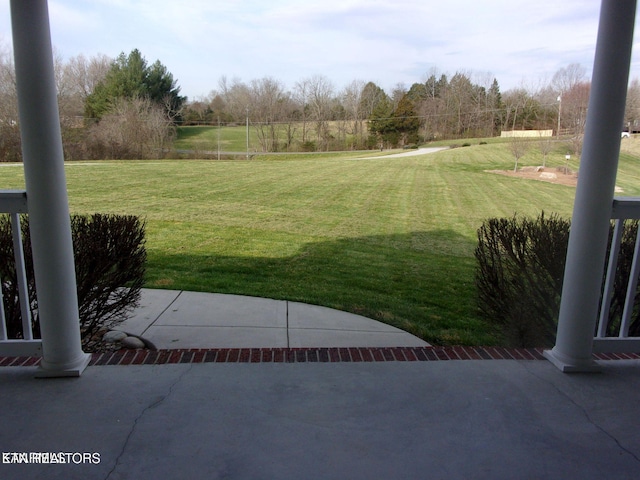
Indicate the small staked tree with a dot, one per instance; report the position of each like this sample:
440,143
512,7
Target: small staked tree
545,145
518,146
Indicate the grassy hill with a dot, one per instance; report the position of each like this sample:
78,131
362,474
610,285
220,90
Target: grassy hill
389,238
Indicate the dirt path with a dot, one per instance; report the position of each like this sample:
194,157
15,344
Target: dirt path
550,175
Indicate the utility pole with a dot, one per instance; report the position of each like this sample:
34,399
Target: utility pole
559,113
247,133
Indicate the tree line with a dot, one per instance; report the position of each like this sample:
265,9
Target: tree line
128,108
109,108
363,115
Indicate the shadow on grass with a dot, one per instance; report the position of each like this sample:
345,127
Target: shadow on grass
194,131
422,282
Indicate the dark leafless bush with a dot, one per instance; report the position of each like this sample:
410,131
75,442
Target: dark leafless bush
519,277
623,270
110,262
520,273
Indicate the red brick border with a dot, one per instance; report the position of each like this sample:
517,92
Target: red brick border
302,355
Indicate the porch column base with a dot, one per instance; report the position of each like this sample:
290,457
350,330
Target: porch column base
568,364
71,369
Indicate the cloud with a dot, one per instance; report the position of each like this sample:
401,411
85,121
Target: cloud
386,42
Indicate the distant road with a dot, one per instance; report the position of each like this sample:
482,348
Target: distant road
212,153
410,153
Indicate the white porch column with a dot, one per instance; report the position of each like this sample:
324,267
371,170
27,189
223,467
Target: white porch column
595,190
47,200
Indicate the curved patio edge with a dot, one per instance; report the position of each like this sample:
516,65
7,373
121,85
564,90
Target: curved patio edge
175,319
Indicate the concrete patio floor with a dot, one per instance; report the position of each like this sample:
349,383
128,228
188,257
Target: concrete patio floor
496,419
256,400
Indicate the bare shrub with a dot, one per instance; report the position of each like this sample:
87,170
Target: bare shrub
519,277
110,259
520,273
133,129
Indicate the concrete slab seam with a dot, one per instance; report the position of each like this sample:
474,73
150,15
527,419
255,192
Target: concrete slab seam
287,314
311,354
162,312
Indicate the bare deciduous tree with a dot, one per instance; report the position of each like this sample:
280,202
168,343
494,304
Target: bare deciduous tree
320,98
518,146
301,95
76,80
574,108
352,101
545,144
236,96
85,74
268,103
9,128
568,77
632,112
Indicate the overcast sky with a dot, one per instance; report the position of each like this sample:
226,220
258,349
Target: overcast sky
521,43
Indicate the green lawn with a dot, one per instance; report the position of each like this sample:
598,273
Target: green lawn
206,138
392,239
234,138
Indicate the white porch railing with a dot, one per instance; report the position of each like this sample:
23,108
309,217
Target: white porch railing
627,208
14,202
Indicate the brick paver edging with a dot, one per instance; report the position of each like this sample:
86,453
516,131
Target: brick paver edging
302,355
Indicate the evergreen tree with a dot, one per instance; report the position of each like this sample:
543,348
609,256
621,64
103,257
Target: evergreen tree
406,121
495,99
393,126
381,121
130,77
418,93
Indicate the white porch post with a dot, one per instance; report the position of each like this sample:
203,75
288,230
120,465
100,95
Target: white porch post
47,200
595,190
